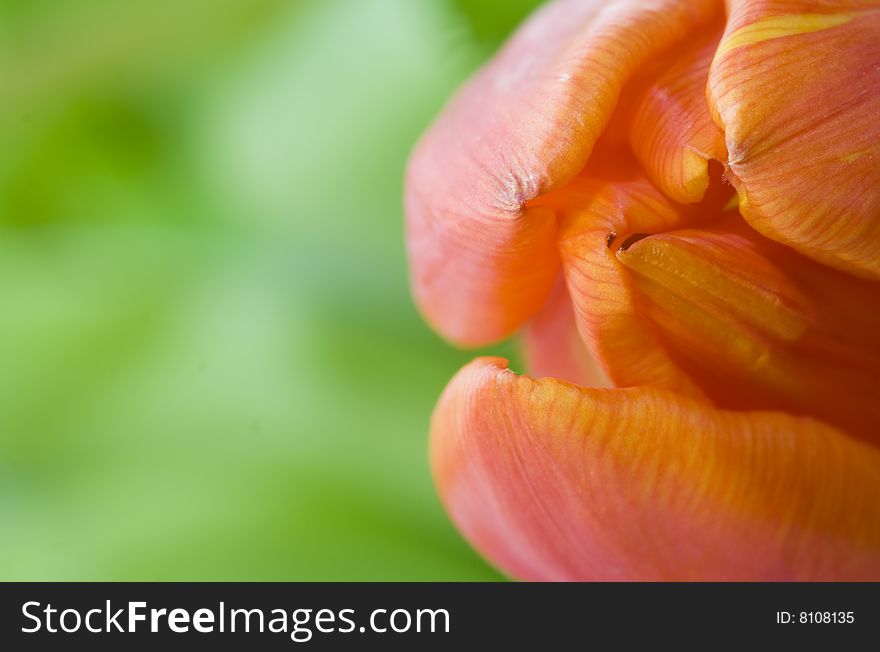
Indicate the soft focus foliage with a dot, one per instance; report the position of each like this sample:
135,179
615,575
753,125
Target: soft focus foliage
209,363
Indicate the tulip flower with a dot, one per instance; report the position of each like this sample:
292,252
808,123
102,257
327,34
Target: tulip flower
677,203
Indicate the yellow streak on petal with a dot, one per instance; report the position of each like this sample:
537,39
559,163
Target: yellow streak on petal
694,172
732,203
855,156
696,279
779,26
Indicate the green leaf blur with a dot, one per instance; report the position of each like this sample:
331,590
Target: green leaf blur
210,365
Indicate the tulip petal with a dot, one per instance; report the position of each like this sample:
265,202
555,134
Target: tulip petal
553,345
796,88
671,130
557,482
759,326
483,262
599,216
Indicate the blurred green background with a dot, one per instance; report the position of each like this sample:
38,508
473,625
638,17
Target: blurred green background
210,366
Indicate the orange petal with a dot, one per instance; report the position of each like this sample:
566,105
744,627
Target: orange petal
758,325
553,481
671,130
553,346
600,215
483,263
796,88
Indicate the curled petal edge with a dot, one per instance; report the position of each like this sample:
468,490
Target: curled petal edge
553,481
